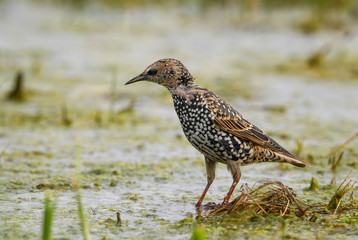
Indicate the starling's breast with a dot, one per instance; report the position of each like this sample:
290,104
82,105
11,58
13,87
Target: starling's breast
193,114
197,123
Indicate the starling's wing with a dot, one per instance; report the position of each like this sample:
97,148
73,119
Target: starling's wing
241,128
229,120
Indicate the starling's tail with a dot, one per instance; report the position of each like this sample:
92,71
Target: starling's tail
293,161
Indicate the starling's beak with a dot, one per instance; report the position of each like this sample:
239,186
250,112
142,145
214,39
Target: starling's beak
140,77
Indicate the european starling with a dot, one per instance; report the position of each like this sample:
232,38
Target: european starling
212,126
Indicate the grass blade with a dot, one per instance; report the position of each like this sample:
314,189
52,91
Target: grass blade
78,180
48,217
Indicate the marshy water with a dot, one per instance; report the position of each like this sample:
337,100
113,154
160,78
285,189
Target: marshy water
296,81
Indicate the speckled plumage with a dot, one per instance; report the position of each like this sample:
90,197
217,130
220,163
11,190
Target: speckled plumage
212,126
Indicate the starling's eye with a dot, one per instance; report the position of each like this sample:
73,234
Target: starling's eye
152,71
172,71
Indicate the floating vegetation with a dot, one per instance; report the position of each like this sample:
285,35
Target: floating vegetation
280,109
198,233
350,220
314,186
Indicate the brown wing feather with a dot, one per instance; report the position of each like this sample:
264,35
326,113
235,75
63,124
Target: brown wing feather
241,128
229,120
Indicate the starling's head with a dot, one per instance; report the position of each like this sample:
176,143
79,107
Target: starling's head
168,72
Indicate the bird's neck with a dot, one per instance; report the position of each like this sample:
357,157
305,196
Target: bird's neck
187,92
180,91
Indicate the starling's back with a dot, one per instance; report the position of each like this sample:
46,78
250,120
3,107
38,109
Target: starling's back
219,132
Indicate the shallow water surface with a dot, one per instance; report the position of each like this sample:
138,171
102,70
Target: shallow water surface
136,161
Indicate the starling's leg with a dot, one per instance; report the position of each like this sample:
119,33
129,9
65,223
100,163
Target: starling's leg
234,168
210,172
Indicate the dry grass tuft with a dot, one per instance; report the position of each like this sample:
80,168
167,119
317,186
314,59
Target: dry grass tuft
269,198
274,198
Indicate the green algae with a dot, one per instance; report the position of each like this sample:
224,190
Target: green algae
314,185
198,234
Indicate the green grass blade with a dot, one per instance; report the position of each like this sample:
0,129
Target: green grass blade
81,214
48,217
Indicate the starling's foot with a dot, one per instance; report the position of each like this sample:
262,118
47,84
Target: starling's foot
210,206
